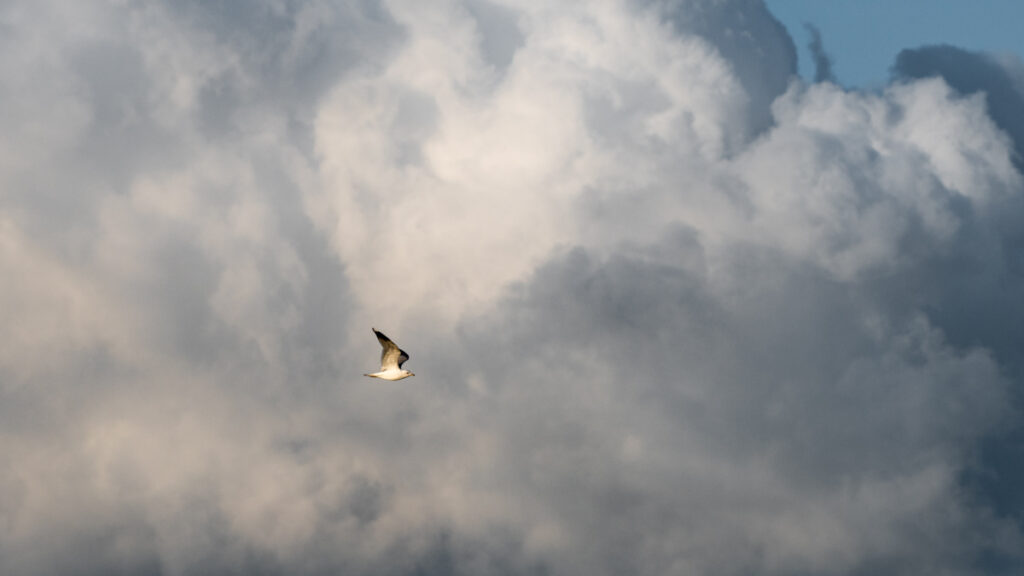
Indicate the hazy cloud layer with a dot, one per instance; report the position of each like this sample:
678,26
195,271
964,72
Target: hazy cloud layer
671,310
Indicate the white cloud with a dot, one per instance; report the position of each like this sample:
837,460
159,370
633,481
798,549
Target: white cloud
442,167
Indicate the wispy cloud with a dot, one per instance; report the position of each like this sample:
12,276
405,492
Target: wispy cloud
822,61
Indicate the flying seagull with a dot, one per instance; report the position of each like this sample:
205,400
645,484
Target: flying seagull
391,359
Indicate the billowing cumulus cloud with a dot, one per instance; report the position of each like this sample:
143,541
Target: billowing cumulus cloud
671,309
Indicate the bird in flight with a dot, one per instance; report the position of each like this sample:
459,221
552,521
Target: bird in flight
391,359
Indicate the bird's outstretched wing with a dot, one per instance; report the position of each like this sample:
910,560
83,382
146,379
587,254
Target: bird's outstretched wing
391,357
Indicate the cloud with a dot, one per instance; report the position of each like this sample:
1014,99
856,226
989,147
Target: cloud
671,310
822,61
1000,81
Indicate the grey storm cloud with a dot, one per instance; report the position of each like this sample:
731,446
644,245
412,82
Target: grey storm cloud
671,309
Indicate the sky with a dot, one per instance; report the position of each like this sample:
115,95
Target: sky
678,301
865,36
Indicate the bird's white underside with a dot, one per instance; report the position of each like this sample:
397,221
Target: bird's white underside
390,374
